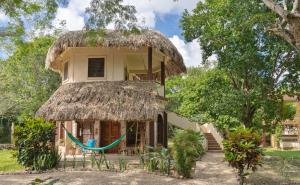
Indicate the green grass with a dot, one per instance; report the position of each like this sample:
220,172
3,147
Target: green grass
7,162
285,154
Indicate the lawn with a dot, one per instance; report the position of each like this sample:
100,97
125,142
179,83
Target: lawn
285,154
285,170
7,162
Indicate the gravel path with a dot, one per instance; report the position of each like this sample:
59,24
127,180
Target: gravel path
211,170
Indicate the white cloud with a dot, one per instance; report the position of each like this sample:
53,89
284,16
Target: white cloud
3,18
72,14
190,51
147,10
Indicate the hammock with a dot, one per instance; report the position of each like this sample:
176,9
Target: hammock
76,141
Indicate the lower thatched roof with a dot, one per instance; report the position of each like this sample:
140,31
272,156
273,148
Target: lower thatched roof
123,100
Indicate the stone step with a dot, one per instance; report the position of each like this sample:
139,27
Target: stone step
215,151
212,144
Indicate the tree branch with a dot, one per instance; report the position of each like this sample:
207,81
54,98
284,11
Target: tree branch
285,5
6,34
296,7
276,8
285,34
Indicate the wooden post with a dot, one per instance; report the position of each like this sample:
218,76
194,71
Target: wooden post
97,132
150,74
155,133
147,133
163,74
165,137
123,131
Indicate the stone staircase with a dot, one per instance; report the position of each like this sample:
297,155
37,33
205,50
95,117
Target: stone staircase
213,139
212,144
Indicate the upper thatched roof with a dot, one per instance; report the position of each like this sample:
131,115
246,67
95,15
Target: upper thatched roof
117,39
121,100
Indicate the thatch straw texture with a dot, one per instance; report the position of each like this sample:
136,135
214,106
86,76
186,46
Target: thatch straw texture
105,100
117,39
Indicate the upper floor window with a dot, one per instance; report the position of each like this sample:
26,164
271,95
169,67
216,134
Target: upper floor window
66,71
96,67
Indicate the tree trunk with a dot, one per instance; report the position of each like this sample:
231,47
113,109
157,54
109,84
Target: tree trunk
248,116
289,26
263,137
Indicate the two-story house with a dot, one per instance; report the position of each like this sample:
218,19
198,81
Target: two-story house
112,84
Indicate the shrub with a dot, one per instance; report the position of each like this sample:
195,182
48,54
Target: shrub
187,149
157,159
242,151
34,139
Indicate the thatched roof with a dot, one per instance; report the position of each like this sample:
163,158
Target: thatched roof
117,39
120,100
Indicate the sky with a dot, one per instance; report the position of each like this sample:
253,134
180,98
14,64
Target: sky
161,15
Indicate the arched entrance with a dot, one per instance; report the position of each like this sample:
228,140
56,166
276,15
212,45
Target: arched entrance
162,130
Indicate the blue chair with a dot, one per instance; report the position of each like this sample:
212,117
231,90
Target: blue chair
90,143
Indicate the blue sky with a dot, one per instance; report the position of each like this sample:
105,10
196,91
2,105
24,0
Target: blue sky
169,25
162,15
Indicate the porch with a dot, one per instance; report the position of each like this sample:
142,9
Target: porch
139,135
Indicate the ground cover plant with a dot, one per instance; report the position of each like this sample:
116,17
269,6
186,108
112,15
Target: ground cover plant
285,154
8,163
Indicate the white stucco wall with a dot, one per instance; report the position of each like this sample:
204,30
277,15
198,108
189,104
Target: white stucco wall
116,59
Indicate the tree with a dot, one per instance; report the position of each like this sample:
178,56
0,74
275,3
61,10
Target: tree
287,25
39,12
204,96
101,13
25,83
261,68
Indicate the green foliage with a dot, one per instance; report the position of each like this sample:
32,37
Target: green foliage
122,164
288,110
24,17
25,83
5,130
46,160
187,149
34,140
157,160
278,133
204,96
242,151
259,67
102,13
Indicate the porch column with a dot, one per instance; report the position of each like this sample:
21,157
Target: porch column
155,133
97,132
147,135
150,74
57,133
68,144
123,131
